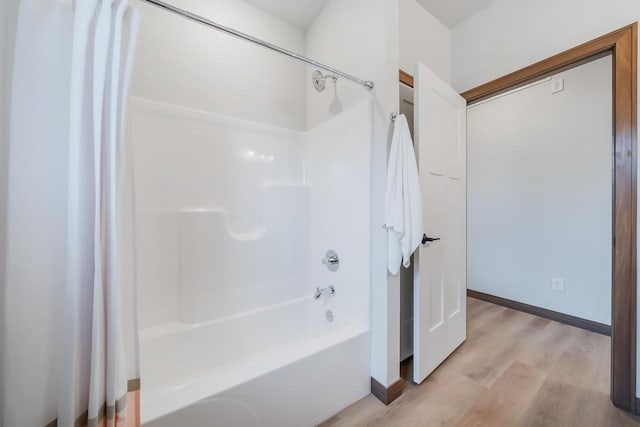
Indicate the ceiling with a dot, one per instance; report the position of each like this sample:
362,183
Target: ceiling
453,12
300,13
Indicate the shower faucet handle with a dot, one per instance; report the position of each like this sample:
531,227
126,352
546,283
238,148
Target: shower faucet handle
331,260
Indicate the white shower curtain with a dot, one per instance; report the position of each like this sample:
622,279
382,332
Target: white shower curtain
99,377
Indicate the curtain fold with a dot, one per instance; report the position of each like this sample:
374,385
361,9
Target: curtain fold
99,356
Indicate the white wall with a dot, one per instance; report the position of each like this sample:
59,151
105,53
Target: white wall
536,30
539,194
423,39
36,238
337,40
180,62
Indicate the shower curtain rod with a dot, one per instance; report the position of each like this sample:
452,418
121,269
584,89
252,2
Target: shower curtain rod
368,85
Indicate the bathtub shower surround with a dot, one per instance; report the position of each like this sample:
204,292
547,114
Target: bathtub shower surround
223,214
234,221
240,197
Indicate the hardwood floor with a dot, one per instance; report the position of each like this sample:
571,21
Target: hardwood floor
515,369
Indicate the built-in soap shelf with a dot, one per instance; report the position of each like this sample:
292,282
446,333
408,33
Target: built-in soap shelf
276,199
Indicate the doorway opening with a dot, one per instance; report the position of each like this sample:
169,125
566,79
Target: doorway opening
622,46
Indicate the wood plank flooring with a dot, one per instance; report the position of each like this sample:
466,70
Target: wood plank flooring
515,369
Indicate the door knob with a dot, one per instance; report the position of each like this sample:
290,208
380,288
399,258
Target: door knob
426,239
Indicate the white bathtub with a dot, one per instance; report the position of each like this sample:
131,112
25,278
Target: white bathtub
285,365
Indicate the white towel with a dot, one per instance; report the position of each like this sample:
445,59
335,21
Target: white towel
404,200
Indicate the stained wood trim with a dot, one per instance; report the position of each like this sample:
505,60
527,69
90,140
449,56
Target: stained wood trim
567,319
623,44
623,344
387,394
406,78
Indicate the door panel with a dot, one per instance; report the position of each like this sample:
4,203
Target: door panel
440,266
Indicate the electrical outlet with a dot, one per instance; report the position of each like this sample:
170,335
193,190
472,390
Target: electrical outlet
557,284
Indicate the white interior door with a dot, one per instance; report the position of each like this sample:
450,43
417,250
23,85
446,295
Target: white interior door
440,274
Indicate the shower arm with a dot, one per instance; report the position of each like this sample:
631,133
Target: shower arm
333,77
367,84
